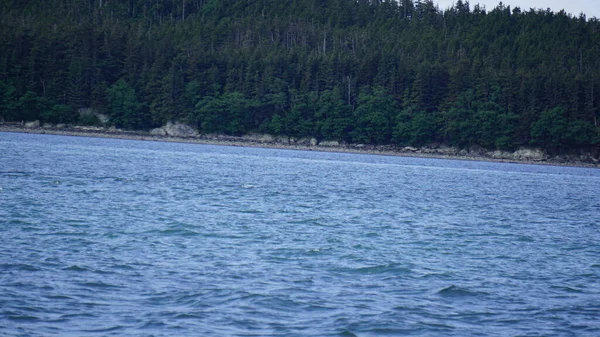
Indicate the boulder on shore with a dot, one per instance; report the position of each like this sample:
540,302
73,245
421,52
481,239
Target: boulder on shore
529,154
329,143
176,129
34,124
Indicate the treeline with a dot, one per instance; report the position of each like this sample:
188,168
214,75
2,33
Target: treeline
382,72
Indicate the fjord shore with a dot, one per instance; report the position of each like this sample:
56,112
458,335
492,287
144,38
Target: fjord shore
522,155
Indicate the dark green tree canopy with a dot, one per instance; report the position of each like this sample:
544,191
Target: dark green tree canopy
378,72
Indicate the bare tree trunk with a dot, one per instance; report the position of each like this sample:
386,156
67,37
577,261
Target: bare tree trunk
349,79
324,42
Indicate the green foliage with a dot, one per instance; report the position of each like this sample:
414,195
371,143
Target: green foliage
31,106
89,119
376,72
553,130
229,114
333,116
59,113
374,114
9,102
124,110
416,128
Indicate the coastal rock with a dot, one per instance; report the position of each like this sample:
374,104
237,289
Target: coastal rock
158,132
529,154
502,155
34,124
180,130
89,128
477,150
329,143
264,138
447,150
175,130
302,141
410,149
282,139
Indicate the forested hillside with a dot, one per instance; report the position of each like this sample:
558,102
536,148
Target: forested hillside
381,72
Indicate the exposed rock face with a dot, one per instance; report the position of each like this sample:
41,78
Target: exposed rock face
529,154
89,128
175,130
34,124
329,143
158,132
265,138
300,141
522,154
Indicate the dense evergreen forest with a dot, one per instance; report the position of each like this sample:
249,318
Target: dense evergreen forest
361,71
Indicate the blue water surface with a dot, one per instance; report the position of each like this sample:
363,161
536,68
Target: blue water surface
105,237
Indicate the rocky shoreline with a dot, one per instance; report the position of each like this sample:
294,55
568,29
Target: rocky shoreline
184,134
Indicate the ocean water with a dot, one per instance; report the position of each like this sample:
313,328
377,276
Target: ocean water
105,237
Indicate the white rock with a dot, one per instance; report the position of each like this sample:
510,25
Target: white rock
158,132
329,143
34,124
529,154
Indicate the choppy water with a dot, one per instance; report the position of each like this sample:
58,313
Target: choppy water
112,237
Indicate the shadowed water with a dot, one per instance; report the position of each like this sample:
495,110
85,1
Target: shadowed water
124,238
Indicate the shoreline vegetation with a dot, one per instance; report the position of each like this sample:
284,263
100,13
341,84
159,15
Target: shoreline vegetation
463,81
524,155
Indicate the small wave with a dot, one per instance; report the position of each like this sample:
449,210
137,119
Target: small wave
251,211
58,297
75,268
525,238
66,234
14,173
98,285
152,325
19,266
381,269
109,329
248,186
441,275
78,315
175,232
454,291
187,316
567,289
21,318
122,266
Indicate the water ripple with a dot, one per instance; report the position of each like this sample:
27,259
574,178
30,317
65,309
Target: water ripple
124,238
